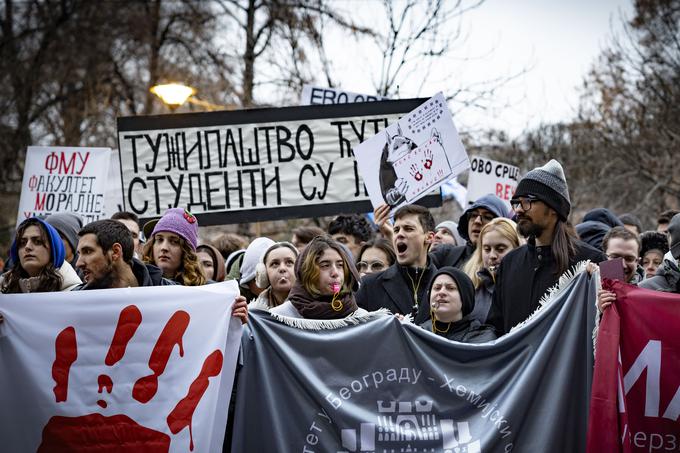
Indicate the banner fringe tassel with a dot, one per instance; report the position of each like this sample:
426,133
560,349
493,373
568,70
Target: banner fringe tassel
553,292
321,324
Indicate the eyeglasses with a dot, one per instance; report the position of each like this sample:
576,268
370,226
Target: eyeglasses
374,266
486,217
525,203
630,259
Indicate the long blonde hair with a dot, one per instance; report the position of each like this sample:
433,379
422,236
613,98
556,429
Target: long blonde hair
507,228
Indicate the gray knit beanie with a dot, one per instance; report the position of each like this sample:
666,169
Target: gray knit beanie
68,225
548,184
453,230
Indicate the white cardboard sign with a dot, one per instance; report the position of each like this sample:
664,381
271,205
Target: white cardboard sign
412,157
489,176
64,179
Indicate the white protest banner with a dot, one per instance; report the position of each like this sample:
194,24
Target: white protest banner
312,95
417,154
251,165
64,179
489,176
134,369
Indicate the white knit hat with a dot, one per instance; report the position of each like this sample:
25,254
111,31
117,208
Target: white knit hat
253,255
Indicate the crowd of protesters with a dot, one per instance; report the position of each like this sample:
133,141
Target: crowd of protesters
470,279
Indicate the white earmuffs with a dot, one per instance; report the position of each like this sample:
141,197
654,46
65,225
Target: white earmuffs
261,277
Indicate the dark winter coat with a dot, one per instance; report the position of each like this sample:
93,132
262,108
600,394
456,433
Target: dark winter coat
483,297
524,276
466,330
451,255
392,289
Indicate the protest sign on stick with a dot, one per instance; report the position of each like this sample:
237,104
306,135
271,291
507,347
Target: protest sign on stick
489,176
132,369
417,154
251,165
64,179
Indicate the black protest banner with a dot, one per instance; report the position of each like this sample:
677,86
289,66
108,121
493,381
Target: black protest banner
252,165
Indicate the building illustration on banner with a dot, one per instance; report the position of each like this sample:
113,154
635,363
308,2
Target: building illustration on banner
409,427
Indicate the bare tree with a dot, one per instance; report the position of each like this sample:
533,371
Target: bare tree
281,34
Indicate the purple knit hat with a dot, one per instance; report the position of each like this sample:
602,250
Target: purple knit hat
182,223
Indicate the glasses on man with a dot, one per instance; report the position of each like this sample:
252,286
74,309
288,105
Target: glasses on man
485,216
525,203
374,266
630,259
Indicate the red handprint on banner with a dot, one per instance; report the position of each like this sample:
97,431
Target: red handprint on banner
428,158
415,172
115,432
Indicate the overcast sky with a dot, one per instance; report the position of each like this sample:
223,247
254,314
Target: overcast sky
556,40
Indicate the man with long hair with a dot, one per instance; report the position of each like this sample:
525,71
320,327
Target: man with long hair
542,205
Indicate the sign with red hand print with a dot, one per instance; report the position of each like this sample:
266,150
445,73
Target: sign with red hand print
412,157
111,370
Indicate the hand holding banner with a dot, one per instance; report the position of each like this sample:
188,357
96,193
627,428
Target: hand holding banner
635,405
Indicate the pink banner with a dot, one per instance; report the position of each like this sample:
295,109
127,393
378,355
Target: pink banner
635,401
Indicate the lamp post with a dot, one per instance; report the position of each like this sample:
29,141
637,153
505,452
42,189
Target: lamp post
176,94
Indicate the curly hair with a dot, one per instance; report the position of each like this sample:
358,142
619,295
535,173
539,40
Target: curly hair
190,272
309,269
50,279
352,225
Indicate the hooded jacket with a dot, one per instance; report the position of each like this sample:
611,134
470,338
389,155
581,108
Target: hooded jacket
595,225
489,202
446,255
466,329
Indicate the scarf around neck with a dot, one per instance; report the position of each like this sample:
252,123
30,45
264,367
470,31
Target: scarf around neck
311,307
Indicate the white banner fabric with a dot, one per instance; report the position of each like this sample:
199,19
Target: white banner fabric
145,368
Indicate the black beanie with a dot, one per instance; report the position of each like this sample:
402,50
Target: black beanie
466,288
548,184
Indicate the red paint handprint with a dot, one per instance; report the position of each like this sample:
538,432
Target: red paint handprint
112,433
428,158
415,172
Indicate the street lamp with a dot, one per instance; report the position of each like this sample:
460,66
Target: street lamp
173,94
176,94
